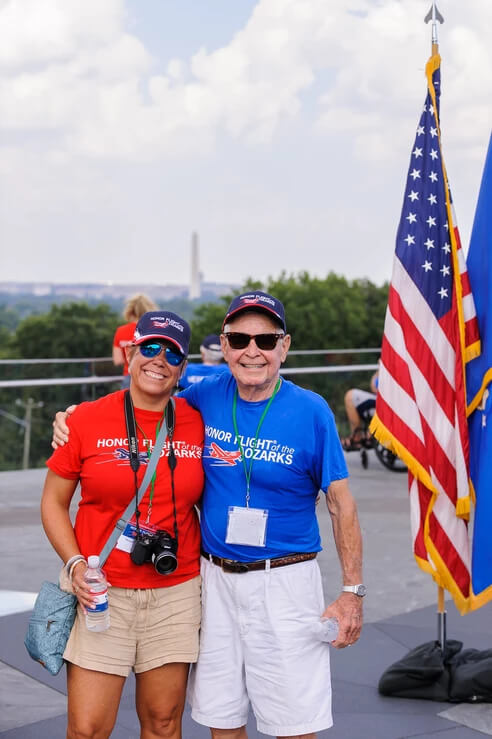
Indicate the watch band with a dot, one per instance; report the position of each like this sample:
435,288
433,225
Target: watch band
359,589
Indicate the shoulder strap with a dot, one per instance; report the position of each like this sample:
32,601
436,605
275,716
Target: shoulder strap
154,458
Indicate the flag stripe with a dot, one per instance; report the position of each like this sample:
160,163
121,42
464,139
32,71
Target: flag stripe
388,416
424,320
419,502
417,353
454,560
441,467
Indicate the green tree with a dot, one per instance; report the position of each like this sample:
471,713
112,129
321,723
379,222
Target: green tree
67,330
70,330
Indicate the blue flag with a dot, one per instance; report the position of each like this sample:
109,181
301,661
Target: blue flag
479,390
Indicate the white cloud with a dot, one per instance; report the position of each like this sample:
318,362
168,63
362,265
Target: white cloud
37,33
332,88
73,68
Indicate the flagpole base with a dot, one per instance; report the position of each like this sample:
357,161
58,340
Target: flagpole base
441,629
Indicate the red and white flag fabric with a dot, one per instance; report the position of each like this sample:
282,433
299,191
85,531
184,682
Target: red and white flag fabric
430,331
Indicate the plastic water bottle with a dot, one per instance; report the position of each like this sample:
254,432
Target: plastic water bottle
326,629
97,619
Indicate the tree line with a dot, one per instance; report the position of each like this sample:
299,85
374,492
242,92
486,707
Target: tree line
322,313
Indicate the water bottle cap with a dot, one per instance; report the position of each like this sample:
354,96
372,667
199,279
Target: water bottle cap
93,561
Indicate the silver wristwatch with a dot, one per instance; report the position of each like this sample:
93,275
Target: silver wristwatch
359,590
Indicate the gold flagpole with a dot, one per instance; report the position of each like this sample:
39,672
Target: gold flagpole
435,16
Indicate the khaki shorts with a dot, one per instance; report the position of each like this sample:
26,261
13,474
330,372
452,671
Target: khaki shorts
149,628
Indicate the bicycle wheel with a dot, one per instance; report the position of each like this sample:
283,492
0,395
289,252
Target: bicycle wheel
388,459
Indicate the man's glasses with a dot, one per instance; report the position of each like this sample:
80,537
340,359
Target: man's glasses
265,342
153,349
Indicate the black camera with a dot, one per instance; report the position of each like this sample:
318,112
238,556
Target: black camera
160,548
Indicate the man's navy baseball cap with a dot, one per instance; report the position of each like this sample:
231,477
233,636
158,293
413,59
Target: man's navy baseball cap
163,324
257,301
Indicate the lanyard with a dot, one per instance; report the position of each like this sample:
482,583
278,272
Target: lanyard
149,453
247,472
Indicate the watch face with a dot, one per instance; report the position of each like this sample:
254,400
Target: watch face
361,590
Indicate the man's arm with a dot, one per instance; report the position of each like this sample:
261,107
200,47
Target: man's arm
347,609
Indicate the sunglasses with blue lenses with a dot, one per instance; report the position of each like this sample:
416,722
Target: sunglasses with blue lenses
154,348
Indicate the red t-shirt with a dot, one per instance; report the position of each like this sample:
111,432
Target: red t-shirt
97,454
122,337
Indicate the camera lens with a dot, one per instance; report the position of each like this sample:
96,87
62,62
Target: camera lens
164,554
165,562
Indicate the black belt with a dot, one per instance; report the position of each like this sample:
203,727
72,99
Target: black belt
231,565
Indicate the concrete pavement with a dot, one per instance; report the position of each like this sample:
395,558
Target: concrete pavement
399,614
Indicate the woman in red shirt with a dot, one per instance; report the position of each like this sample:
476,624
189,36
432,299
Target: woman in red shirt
154,618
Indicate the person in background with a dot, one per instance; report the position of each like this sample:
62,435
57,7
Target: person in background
359,407
212,362
135,307
154,605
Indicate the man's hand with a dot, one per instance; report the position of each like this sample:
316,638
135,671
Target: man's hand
347,610
60,428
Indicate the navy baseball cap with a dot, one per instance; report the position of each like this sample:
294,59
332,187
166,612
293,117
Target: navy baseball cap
257,301
163,324
212,341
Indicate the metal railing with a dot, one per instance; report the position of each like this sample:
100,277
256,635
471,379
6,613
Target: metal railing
103,379
20,409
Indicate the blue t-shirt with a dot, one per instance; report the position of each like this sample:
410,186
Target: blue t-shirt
298,453
196,372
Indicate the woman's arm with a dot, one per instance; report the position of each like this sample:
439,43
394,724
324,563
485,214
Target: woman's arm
55,504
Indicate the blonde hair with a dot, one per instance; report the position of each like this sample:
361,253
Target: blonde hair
137,305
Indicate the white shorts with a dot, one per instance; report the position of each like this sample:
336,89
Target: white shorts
257,643
362,398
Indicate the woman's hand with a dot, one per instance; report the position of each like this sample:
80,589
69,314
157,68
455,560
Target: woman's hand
80,588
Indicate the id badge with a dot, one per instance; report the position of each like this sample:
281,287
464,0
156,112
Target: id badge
246,526
127,538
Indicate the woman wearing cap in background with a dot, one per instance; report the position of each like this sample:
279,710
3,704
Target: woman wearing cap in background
212,364
155,617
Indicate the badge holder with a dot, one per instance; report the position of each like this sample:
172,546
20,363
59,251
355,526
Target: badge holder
246,526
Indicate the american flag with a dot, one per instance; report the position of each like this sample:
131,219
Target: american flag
430,331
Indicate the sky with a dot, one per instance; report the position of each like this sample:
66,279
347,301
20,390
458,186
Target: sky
279,130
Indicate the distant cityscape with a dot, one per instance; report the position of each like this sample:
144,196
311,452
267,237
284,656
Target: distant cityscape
105,291
196,289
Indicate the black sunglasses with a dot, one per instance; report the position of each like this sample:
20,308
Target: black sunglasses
153,349
265,342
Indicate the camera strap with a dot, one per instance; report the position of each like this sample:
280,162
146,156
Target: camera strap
171,460
166,430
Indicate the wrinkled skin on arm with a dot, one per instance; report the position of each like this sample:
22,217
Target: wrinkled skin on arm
347,608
